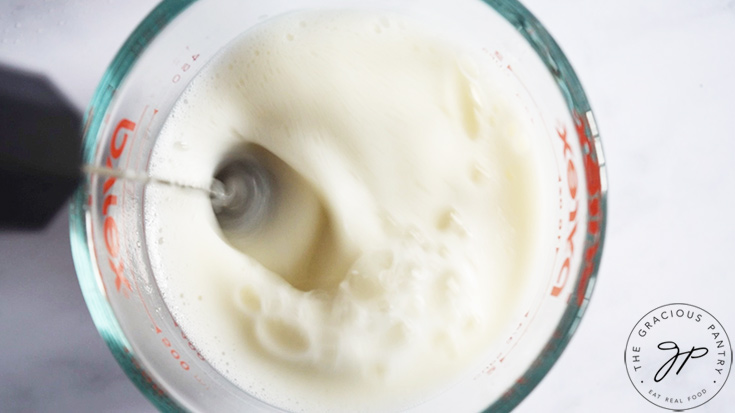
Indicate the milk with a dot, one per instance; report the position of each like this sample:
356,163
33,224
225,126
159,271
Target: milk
403,243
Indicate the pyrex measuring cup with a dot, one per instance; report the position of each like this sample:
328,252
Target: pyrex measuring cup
133,100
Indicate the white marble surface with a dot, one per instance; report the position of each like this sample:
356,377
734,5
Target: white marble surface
661,78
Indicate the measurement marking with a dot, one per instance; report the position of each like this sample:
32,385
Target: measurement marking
125,181
145,136
132,145
122,206
150,122
551,142
545,126
196,376
147,311
140,121
155,113
533,312
137,164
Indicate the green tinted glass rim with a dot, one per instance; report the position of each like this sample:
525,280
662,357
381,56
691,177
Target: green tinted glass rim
516,14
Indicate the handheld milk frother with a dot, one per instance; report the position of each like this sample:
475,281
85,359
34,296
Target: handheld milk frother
40,162
240,192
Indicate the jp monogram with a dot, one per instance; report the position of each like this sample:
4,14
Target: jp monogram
678,356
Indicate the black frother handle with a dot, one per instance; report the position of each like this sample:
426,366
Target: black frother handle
40,150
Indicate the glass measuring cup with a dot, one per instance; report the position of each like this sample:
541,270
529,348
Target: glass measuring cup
133,100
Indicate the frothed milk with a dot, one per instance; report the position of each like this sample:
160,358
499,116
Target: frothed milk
410,212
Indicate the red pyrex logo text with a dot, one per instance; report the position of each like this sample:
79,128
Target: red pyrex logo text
110,228
594,195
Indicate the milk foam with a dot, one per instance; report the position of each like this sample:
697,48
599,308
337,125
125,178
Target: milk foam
397,259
